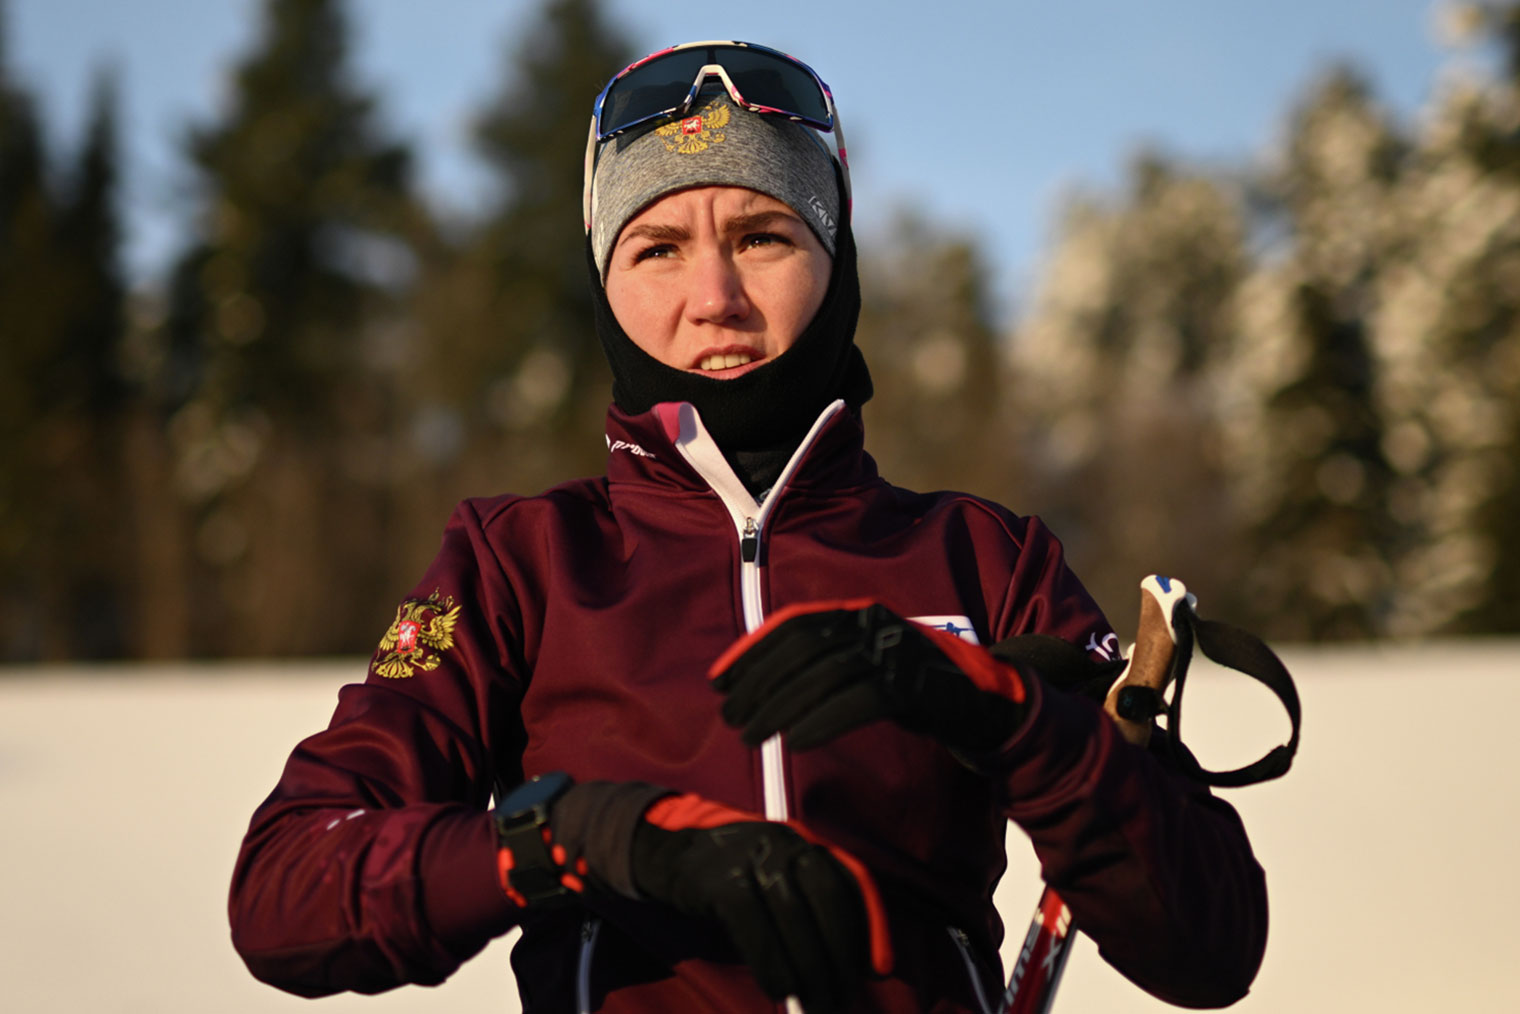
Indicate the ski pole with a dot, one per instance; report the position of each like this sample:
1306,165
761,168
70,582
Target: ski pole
1135,698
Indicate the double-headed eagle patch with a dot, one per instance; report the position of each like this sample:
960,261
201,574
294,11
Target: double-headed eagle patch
697,132
424,630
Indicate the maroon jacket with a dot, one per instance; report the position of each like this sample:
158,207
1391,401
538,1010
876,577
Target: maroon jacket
573,631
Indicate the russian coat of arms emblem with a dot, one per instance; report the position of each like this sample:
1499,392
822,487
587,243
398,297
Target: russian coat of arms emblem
697,132
423,630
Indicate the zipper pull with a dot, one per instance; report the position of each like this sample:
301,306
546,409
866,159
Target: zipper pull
749,545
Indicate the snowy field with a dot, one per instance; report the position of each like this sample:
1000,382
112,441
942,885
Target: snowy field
1392,850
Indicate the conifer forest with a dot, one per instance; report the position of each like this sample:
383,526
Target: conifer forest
1293,381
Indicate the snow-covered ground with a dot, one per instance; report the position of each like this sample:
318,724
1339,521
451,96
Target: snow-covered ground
1392,850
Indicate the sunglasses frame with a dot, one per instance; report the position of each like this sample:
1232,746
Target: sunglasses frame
596,137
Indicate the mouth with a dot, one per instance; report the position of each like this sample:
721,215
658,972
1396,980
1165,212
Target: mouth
727,362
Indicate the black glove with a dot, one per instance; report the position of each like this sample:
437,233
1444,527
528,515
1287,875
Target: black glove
804,916
816,671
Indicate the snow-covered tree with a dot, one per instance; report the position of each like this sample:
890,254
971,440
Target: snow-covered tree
1114,363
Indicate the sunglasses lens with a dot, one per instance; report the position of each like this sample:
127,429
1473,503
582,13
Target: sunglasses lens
661,85
765,79
650,89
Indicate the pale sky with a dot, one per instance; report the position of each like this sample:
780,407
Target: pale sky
980,115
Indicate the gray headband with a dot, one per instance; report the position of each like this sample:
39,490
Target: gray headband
719,144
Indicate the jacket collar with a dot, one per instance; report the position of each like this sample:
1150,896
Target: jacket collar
669,447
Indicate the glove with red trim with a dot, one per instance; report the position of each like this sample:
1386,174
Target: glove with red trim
804,915
817,670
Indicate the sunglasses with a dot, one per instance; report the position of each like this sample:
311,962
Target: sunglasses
666,84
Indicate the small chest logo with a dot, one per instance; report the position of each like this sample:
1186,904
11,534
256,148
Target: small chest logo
960,626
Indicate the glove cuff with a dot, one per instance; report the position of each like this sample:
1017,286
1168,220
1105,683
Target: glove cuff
595,821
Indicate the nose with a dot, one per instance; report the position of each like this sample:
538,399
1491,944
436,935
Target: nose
716,294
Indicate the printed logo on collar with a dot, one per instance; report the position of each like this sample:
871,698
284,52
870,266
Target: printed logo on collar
960,626
624,445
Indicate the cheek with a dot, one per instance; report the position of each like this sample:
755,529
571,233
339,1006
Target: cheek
644,311
800,297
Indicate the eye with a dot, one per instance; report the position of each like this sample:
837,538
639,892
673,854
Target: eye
655,250
763,239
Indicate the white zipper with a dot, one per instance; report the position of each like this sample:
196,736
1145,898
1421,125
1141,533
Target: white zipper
749,517
963,944
772,751
590,929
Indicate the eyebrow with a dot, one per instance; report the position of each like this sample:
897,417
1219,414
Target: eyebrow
738,225
757,221
657,233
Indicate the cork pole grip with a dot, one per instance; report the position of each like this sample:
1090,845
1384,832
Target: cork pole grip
1128,703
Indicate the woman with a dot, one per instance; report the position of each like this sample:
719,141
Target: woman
825,822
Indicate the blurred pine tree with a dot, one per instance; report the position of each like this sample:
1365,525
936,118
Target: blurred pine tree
516,378
60,388
286,310
927,334
89,556
1114,365
1449,337
1493,345
1304,432
29,324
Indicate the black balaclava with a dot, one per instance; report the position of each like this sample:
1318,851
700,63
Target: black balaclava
758,419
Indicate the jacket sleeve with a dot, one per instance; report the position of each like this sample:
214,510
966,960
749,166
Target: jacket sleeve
372,863
1155,868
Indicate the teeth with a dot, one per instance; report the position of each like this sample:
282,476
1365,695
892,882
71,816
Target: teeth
725,362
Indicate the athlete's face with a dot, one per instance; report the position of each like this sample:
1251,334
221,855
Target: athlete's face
716,280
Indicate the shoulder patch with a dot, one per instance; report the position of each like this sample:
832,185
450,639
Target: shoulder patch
423,630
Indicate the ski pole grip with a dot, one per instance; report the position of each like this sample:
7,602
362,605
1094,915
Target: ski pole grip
1137,696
